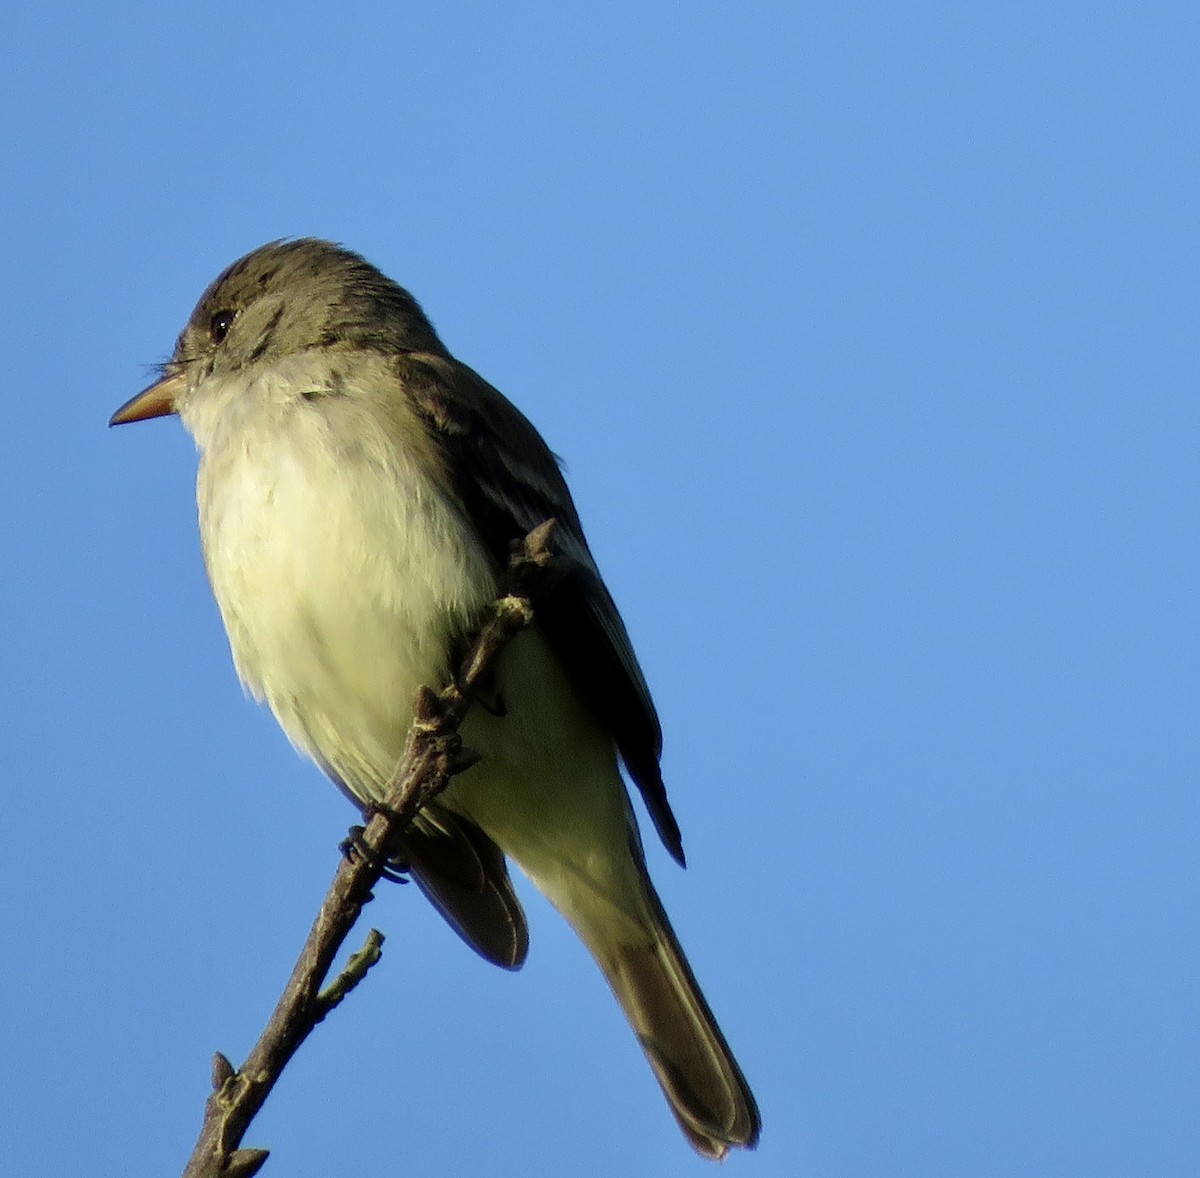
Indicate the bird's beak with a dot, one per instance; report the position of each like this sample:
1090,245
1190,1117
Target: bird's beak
156,401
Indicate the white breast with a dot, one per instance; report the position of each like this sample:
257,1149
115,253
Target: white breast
341,571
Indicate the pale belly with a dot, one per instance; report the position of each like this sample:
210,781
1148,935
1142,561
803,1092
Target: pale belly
343,592
343,587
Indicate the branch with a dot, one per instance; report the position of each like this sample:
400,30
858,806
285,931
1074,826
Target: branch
433,754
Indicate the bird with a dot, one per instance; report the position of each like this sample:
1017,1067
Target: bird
359,491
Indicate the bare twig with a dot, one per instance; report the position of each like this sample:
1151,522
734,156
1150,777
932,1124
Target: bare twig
433,755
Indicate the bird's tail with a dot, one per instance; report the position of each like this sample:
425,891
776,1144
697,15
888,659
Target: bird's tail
660,997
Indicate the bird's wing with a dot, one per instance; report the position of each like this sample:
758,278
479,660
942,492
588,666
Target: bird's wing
464,875
508,481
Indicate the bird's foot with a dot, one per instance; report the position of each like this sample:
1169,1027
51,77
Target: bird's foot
392,868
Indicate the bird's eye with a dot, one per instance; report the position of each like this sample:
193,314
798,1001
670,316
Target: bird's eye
219,325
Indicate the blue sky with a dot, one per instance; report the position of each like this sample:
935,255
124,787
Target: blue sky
868,335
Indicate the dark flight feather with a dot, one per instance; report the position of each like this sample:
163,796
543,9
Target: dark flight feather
465,877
